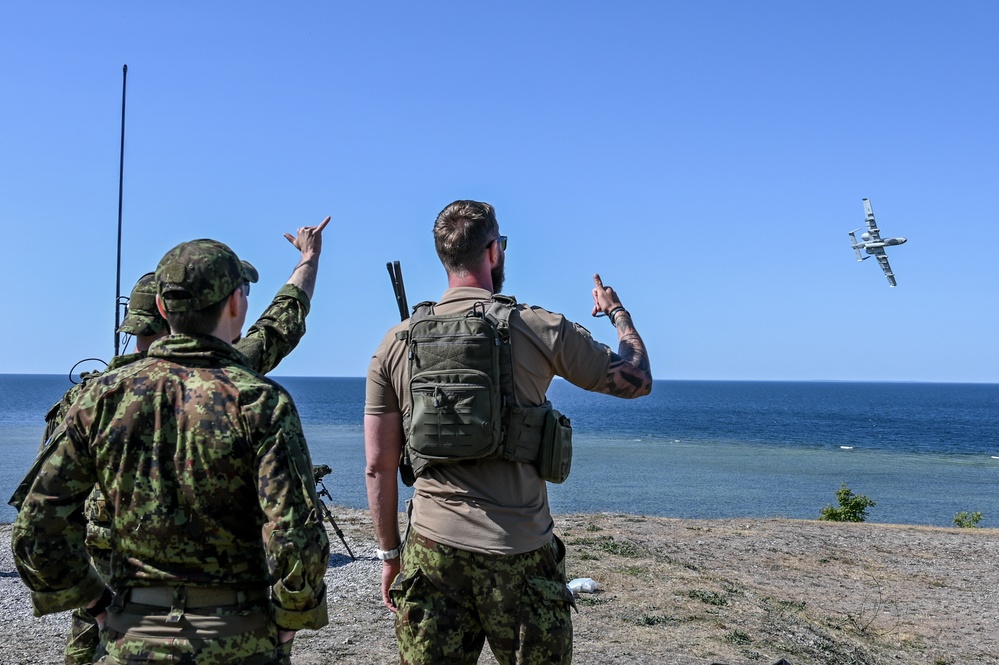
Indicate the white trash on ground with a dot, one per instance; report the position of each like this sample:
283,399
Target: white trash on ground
583,585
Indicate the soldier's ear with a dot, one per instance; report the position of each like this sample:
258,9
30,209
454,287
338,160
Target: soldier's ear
233,302
493,252
159,306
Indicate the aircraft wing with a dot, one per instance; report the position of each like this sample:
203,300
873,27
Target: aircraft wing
872,226
882,257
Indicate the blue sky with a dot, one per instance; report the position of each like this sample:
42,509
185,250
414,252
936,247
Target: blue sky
707,159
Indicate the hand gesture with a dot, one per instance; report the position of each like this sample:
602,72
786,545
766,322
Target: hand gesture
309,240
605,299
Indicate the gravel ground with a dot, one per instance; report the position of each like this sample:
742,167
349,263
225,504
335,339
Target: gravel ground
682,592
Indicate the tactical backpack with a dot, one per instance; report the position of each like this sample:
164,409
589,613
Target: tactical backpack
461,395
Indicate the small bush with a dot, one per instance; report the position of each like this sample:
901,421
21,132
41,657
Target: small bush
621,548
852,507
739,637
708,597
966,520
658,620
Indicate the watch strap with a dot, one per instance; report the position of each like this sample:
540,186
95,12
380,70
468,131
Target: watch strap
386,555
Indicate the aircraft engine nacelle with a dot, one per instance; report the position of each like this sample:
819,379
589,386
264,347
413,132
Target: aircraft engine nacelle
894,241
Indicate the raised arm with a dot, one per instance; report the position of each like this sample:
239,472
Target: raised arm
629,374
282,325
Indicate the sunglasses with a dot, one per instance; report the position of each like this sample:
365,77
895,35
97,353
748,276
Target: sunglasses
501,240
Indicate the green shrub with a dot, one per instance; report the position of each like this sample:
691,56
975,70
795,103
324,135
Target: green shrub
709,597
738,637
658,620
618,547
852,507
966,520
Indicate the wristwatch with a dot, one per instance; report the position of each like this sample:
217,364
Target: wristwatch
385,555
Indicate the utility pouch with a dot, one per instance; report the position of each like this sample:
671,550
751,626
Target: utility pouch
525,430
555,456
454,415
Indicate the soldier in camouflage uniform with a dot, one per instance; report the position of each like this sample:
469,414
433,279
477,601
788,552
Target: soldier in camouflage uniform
481,561
218,549
274,335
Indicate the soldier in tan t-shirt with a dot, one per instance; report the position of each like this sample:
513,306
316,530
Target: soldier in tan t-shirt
481,560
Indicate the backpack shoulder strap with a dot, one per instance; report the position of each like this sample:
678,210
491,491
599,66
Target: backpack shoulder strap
498,314
420,311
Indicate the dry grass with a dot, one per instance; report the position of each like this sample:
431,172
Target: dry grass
745,591
737,591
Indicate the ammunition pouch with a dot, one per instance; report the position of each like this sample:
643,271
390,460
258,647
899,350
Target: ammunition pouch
555,456
542,436
525,433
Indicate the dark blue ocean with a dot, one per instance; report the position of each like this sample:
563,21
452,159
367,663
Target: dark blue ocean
695,449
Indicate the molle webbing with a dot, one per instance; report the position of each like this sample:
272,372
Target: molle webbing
462,389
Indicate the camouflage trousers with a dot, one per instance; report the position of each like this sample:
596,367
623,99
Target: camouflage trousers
450,601
84,636
83,640
196,639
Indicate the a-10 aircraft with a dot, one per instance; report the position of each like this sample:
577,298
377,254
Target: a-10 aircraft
873,243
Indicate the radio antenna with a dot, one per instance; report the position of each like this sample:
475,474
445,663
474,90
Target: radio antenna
121,178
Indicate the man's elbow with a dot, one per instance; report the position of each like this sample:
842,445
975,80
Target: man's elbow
628,384
644,389
639,391
374,470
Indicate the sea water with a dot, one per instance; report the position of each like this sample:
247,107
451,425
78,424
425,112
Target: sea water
693,449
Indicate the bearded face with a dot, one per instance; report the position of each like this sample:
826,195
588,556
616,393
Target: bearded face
498,273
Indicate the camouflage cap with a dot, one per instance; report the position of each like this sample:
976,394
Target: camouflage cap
199,273
142,317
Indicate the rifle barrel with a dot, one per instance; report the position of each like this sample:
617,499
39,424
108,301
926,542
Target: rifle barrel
395,274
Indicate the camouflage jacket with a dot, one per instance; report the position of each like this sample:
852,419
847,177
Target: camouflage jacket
275,334
209,476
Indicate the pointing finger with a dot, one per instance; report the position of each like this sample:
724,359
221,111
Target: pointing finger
322,225
597,282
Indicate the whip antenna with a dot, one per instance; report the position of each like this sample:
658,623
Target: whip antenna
121,178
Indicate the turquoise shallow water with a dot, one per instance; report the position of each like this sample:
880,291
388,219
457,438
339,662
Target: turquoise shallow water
923,452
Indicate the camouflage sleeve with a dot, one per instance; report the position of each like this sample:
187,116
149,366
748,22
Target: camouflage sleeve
48,535
58,411
278,330
295,537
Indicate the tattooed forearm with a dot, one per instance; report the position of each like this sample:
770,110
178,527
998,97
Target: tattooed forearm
629,374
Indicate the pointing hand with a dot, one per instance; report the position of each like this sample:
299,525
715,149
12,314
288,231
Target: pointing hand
309,240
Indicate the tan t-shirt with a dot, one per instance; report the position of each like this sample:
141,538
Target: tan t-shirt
491,507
